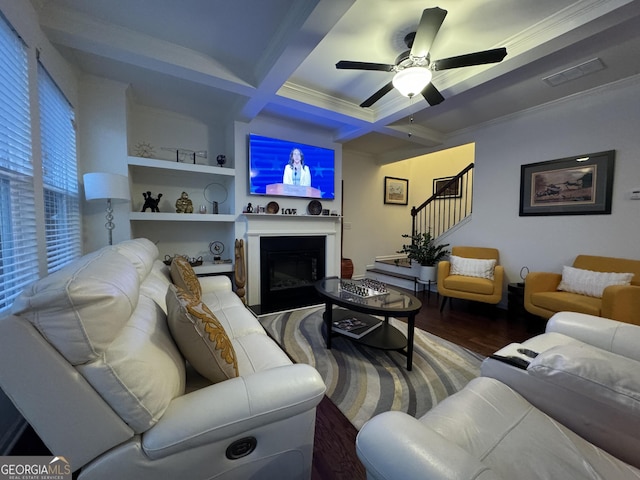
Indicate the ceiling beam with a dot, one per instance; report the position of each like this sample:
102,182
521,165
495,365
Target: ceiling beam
298,35
76,30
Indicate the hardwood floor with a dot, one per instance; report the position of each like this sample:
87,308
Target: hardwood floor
480,328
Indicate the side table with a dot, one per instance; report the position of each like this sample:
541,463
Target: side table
515,301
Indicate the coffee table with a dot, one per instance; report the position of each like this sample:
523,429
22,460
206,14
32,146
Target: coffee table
392,303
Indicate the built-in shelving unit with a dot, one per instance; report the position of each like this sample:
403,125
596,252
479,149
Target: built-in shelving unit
208,268
181,167
184,233
282,216
180,217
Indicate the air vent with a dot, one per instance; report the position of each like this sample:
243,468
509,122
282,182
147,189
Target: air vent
572,73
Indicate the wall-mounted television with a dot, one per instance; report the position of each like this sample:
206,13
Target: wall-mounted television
283,168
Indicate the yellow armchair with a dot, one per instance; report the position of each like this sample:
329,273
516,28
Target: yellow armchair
618,302
467,287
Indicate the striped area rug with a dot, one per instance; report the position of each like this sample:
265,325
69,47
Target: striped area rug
364,381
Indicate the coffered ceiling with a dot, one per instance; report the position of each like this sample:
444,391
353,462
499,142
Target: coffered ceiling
220,60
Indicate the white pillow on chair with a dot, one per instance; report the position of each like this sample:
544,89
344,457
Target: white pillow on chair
590,283
472,267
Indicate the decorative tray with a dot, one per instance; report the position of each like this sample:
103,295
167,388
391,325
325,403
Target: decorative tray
364,288
194,262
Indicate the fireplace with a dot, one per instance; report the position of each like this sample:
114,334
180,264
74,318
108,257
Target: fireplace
290,266
263,226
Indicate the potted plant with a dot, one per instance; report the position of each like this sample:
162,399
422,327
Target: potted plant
424,251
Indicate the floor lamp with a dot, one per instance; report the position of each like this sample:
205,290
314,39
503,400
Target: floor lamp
109,186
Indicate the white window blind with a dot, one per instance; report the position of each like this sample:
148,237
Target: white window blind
60,175
18,242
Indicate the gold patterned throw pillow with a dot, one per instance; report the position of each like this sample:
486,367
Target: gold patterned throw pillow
183,276
200,336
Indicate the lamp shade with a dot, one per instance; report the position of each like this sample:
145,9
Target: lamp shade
106,185
411,81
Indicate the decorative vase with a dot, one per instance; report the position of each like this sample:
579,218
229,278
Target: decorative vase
427,274
346,270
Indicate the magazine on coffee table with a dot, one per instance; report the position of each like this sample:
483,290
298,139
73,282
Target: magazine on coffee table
356,327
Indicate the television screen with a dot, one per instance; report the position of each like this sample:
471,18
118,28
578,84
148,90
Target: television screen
283,168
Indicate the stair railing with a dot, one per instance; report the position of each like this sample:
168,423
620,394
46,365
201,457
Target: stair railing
448,206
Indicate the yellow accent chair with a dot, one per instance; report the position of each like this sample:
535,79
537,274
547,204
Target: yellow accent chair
543,298
471,285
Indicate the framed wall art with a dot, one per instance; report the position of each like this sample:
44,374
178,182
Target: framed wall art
396,191
452,191
580,185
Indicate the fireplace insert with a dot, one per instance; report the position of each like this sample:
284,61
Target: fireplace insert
289,268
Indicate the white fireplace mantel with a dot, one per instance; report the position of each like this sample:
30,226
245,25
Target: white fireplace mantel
274,225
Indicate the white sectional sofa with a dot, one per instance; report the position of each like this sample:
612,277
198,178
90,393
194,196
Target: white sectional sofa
89,359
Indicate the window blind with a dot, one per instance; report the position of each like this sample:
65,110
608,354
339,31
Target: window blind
18,241
59,172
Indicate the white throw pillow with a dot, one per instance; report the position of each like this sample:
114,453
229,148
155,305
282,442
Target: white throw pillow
590,283
472,267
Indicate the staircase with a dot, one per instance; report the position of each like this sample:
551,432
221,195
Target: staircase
449,207
396,271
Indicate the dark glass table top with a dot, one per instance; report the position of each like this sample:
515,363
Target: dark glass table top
391,302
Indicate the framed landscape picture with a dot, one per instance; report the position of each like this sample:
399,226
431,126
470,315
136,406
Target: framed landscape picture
396,190
580,185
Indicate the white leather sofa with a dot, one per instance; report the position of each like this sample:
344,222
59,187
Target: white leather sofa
577,414
88,359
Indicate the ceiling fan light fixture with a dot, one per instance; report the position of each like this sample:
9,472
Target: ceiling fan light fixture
411,81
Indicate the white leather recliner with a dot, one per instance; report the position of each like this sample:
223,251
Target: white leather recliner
585,378
584,371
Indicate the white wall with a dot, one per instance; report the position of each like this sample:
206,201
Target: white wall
606,119
373,228
168,131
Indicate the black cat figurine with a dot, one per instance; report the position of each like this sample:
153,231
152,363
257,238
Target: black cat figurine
150,202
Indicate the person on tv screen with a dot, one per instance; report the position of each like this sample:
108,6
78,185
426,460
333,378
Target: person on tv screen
296,172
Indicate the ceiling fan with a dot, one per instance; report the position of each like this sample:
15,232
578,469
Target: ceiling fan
414,67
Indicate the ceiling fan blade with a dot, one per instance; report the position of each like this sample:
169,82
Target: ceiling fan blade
347,65
432,95
430,23
479,58
378,95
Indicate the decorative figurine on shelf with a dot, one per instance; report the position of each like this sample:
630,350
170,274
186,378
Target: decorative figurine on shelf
221,159
143,149
184,204
249,208
186,155
216,248
150,202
